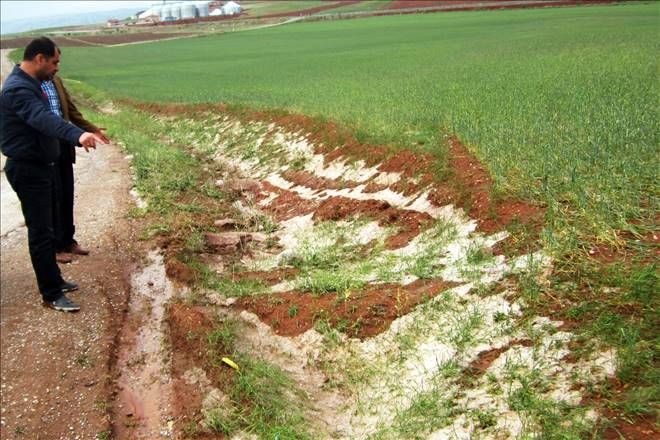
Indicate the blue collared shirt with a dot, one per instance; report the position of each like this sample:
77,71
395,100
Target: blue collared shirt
53,99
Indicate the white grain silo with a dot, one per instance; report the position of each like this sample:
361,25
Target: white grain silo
188,10
166,12
156,10
203,9
176,11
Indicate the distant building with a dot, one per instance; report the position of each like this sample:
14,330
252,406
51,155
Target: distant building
149,19
113,22
231,8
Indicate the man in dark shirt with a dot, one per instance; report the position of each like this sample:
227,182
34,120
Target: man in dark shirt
29,137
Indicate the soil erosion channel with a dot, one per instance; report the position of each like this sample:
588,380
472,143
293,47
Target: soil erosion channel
374,291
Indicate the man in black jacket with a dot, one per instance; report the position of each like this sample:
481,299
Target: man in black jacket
29,137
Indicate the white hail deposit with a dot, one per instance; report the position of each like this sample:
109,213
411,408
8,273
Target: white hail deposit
409,359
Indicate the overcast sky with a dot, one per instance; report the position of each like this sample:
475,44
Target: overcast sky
16,10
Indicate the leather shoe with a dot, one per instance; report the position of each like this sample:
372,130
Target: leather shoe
68,287
63,257
63,304
76,249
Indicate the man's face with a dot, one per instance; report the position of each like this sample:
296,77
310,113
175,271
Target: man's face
47,67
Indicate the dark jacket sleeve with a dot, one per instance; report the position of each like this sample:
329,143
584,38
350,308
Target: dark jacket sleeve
35,113
74,114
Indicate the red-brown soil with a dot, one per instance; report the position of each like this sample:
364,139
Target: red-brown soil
270,278
629,250
360,314
308,11
638,428
11,43
179,271
93,40
309,180
188,329
619,426
471,5
288,204
410,223
130,38
480,365
470,186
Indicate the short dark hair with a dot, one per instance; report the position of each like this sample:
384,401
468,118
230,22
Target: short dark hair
41,45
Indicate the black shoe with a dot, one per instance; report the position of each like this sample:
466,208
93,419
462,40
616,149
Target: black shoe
63,304
68,287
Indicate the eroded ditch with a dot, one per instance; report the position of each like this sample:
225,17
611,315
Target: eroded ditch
142,405
376,295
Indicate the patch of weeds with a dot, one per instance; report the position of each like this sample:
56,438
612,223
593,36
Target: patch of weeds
528,280
221,421
209,189
472,264
191,429
102,406
478,255
135,212
270,402
293,311
266,224
431,246
155,230
20,430
239,288
429,412
298,163
449,370
387,269
405,342
320,282
222,340
331,336
104,435
547,418
329,245
84,361
209,279
642,285
195,241
463,332
424,267
485,418
641,401
499,317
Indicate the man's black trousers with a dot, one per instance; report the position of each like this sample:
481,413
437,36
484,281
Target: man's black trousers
34,183
65,228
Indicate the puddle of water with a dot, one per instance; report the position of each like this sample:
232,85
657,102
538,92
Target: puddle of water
143,402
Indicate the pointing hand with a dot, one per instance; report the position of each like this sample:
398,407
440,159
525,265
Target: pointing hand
89,140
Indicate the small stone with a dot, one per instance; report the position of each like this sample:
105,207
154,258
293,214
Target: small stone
225,224
220,300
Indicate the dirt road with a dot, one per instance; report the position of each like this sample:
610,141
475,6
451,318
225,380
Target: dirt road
56,381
